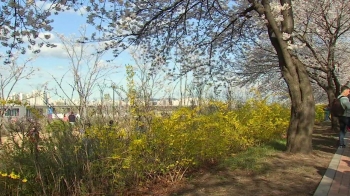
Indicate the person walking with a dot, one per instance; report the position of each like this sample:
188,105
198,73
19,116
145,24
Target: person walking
65,118
327,112
344,119
71,118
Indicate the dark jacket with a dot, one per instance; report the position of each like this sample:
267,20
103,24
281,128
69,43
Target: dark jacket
71,118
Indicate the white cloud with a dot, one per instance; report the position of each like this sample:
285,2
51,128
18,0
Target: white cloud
56,52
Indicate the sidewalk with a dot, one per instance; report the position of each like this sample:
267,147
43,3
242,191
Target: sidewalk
336,180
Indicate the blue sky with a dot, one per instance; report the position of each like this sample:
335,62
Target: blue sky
53,61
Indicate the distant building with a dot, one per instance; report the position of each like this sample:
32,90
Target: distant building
43,99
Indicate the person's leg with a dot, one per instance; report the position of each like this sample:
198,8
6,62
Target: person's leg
329,115
343,122
326,115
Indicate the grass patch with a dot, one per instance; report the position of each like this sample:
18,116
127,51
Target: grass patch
253,159
279,145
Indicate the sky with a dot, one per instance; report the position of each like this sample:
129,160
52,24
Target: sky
53,62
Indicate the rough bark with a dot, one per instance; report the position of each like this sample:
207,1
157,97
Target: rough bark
299,134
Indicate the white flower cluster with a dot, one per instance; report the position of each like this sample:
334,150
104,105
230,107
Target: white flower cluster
285,36
292,46
276,8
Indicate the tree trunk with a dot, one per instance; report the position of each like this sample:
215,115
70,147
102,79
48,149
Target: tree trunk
334,120
299,134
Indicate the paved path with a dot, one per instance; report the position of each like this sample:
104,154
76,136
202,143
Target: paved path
336,180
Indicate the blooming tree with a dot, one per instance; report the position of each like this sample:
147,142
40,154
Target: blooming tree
20,25
323,27
209,33
321,42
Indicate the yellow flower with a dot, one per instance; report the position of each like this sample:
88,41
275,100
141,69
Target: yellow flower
24,180
14,176
3,174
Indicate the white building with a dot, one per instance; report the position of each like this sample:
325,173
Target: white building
38,98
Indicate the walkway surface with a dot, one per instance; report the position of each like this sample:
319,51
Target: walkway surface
336,180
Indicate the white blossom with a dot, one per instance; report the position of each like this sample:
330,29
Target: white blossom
285,36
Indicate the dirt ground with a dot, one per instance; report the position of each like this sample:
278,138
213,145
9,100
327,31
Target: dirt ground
282,174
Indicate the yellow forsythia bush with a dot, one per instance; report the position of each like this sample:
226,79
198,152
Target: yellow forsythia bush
11,182
319,112
191,137
265,121
106,159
